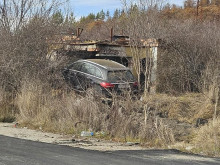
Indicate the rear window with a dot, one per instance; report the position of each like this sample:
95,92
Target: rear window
121,75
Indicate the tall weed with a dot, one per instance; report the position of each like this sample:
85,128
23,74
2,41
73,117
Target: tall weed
207,139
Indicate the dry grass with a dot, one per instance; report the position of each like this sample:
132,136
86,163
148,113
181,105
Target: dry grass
61,112
154,121
207,139
185,108
157,134
67,112
7,108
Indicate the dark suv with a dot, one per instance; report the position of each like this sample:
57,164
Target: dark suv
105,76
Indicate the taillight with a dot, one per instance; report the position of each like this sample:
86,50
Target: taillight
135,84
107,85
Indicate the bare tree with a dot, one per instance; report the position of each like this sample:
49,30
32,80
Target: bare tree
15,13
24,28
141,22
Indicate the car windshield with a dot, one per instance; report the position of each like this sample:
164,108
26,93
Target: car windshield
121,75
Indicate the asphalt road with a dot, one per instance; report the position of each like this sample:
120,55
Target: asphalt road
23,152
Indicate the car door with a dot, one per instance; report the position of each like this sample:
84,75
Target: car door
89,75
72,74
83,76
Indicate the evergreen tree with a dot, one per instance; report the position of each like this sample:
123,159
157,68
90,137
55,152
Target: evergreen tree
204,3
82,19
168,6
66,19
57,17
215,2
107,14
189,3
102,15
98,16
91,16
72,19
116,14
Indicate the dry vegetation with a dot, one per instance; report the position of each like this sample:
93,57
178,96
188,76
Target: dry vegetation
207,139
33,92
68,112
156,121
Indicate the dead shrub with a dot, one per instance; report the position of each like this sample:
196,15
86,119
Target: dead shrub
184,108
30,100
157,133
179,113
125,118
127,122
207,139
123,121
40,106
68,112
8,110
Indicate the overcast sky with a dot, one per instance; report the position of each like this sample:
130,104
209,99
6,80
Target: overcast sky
84,7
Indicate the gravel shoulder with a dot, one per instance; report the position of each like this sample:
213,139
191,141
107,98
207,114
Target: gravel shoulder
11,130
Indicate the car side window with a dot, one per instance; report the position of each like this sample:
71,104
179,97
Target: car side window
76,66
98,73
91,69
85,68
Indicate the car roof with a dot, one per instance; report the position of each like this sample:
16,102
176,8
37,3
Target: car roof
107,64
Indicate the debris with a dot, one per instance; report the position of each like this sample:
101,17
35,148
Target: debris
131,143
201,121
86,133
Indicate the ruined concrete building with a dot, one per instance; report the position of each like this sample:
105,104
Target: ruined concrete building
118,49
